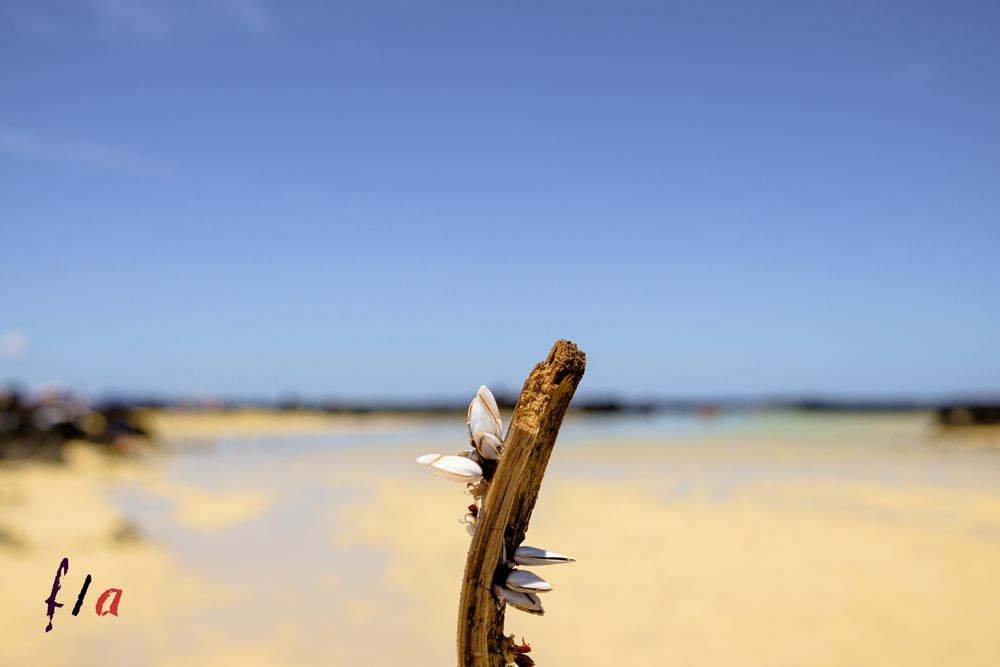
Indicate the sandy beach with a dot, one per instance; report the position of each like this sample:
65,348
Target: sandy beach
762,540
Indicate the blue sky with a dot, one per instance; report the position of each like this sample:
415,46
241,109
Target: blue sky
402,199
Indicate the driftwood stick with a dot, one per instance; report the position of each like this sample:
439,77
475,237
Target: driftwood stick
511,497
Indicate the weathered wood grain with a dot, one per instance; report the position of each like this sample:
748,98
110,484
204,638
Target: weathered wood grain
511,497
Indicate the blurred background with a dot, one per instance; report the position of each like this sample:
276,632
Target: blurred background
256,257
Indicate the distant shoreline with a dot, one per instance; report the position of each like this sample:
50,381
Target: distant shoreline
610,405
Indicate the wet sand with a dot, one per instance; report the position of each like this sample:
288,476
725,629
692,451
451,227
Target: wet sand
763,541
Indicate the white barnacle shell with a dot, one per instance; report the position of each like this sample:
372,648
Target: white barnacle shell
528,602
469,522
484,415
524,581
457,468
488,445
536,556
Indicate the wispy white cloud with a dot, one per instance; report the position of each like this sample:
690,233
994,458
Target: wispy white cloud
249,15
162,19
22,144
18,143
142,19
13,344
150,21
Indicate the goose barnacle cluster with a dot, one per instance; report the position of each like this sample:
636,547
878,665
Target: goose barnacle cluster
484,424
520,588
515,587
473,466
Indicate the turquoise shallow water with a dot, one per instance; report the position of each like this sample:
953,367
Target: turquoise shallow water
662,428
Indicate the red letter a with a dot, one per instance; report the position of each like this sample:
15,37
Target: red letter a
114,603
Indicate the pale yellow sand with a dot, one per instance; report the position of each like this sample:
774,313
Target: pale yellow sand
827,543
